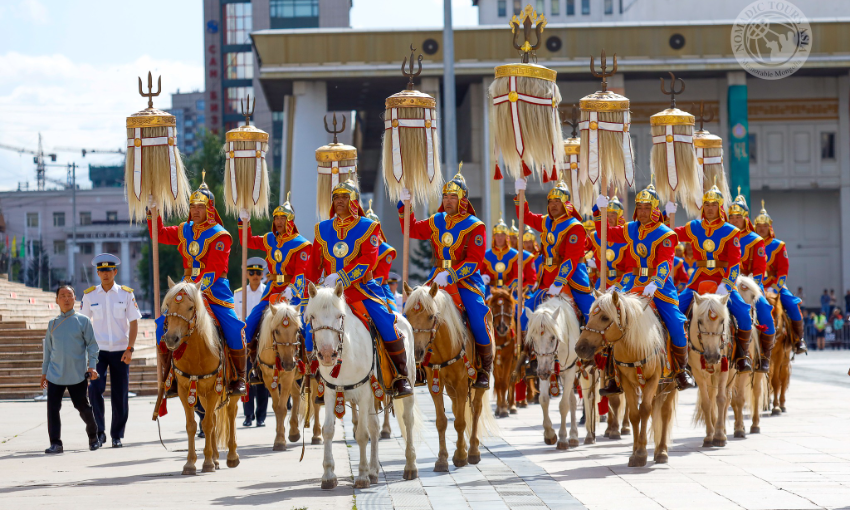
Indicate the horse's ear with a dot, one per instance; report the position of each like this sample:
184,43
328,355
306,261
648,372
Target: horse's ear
615,297
527,311
434,289
338,289
199,284
556,313
697,298
311,290
407,290
170,282
724,299
597,293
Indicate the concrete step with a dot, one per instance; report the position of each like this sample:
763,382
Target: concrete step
13,325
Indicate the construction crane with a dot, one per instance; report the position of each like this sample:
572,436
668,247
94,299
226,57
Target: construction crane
90,151
38,158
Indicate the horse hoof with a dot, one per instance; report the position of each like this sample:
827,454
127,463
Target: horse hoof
279,447
755,430
329,484
719,443
550,440
635,461
513,410
783,409
606,434
707,443
573,442
661,458
740,434
316,440
614,436
522,405
208,469
460,462
409,474
360,483
441,467
232,463
190,470
504,414
294,438
775,412
626,431
563,446
373,478
589,440
385,434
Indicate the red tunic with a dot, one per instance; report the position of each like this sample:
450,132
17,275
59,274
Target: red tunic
728,252
777,266
565,250
529,275
295,263
217,254
367,253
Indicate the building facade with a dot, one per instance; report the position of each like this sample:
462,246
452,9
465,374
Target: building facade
189,110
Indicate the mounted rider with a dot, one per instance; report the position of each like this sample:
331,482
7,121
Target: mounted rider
776,274
345,249
499,268
651,244
717,254
204,245
754,262
386,256
458,239
617,259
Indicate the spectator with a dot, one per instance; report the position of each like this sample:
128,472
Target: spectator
820,329
847,303
801,295
838,327
824,302
833,301
70,356
255,404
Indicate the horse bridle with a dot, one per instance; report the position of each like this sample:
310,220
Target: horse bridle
432,332
276,344
340,334
502,323
192,322
602,332
724,340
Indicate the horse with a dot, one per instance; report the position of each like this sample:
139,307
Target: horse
441,342
199,362
278,350
553,330
618,410
625,322
344,347
709,357
781,357
502,306
746,389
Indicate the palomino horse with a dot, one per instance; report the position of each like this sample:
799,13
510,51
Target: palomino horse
746,389
780,358
502,307
441,343
625,322
709,359
348,345
553,331
278,350
199,363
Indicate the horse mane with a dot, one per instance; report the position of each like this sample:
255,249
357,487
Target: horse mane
751,285
712,303
325,301
441,306
204,324
272,317
644,334
563,328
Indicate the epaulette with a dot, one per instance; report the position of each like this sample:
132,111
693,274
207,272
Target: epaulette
89,289
126,288
237,290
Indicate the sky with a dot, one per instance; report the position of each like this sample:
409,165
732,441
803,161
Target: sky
69,68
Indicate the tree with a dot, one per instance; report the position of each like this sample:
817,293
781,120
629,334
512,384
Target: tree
420,261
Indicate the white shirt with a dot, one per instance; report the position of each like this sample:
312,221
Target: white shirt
111,313
399,301
254,297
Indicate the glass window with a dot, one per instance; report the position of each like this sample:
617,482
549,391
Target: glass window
517,6
199,105
85,217
571,7
32,219
232,95
585,7
753,146
59,273
111,215
609,6
503,8
541,6
294,8
58,219
238,66
827,146
556,7
237,23
87,248
201,120
59,247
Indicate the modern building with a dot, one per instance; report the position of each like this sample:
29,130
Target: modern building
789,138
189,112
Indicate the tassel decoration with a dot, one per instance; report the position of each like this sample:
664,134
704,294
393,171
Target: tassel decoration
498,176
336,369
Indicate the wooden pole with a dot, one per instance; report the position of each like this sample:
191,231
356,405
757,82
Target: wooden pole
160,392
520,265
245,273
603,241
405,262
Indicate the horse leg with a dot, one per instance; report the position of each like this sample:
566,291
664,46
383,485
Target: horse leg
785,379
361,435
386,430
565,406
209,426
634,418
721,409
499,390
706,403
374,425
442,464
279,406
294,425
355,418
590,398
477,404
738,404
756,404
411,472
614,403
511,389
459,404
626,429
645,411
232,456
668,410
317,429
191,429
549,436
329,480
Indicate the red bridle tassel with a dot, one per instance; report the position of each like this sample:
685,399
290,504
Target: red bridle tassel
336,369
557,367
314,366
426,360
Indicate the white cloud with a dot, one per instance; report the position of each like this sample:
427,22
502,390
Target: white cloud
75,105
30,10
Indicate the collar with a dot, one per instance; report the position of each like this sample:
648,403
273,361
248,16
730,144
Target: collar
711,225
68,313
342,225
501,251
454,219
101,289
282,238
643,230
768,240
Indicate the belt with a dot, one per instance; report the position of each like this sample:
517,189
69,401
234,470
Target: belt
444,263
282,279
644,271
195,272
613,273
711,264
551,261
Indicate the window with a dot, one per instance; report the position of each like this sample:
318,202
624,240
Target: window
294,13
59,274
200,119
517,6
59,247
827,146
571,7
585,7
85,217
609,6
232,95
556,7
58,219
237,24
199,105
540,6
111,215
502,6
753,145
32,219
87,248
238,66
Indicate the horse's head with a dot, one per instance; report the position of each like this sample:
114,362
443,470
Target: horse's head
502,305
712,321
280,332
326,315
544,336
181,307
423,314
607,324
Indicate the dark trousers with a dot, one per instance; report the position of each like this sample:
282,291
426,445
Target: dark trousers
258,393
55,392
119,383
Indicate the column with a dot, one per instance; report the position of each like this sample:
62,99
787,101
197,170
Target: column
70,247
98,247
738,144
311,99
125,262
844,168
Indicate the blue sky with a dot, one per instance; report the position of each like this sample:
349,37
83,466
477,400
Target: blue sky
70,67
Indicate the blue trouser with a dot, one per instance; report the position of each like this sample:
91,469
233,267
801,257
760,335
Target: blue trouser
476,311
257,393
673,319
584,300
254,320
765,315
790,303
230,324
119,380
736,304
383,318
390,297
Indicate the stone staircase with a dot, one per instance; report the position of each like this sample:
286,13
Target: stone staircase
24,314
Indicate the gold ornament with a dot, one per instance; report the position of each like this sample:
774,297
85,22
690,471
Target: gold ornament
447,239
500,267
278,256
708,245
609,255
340,250
194,248
641,249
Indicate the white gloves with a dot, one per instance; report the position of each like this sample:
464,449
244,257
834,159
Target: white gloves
442,278
244,215
287,293
722,290
650,289
330,280
670,208
520,185
554,289
151,202
591,263
486,279
404,196
601,202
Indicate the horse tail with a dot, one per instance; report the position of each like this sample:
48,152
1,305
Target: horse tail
417,417
305,406
657,408
222,424
699,415
487,426
750,402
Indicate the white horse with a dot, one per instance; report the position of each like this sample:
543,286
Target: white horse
553,331
335,339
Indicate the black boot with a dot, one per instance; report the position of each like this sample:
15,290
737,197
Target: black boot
401,385
611,386
682,375
485,354
766,344
237,386
54,449
799,340
742,351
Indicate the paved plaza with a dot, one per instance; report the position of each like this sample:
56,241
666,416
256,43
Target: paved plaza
800,460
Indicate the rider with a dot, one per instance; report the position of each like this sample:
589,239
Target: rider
563,249
617,260
287,253
651,244
499,267
777,272
718,253
458,239
345,247
680,272
754,262
386,255
204,245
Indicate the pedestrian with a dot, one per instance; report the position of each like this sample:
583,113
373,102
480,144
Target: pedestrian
70,357
824,302
820,330
255,404
114,315
833,301
847,303
392,281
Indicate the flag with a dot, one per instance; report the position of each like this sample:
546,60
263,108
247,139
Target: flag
23,253
14,245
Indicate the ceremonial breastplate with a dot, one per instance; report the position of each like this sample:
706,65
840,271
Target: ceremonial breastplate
553,233
708,245
643,248
748,246
195,249
613,255
500,266
449,243
278,254
340,252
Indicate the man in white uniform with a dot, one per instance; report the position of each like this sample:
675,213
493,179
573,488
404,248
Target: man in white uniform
256,390
114,316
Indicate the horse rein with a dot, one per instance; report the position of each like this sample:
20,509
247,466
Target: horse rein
340,333
724,340
435,326
192,322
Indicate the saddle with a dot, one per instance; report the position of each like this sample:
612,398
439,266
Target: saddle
387,372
